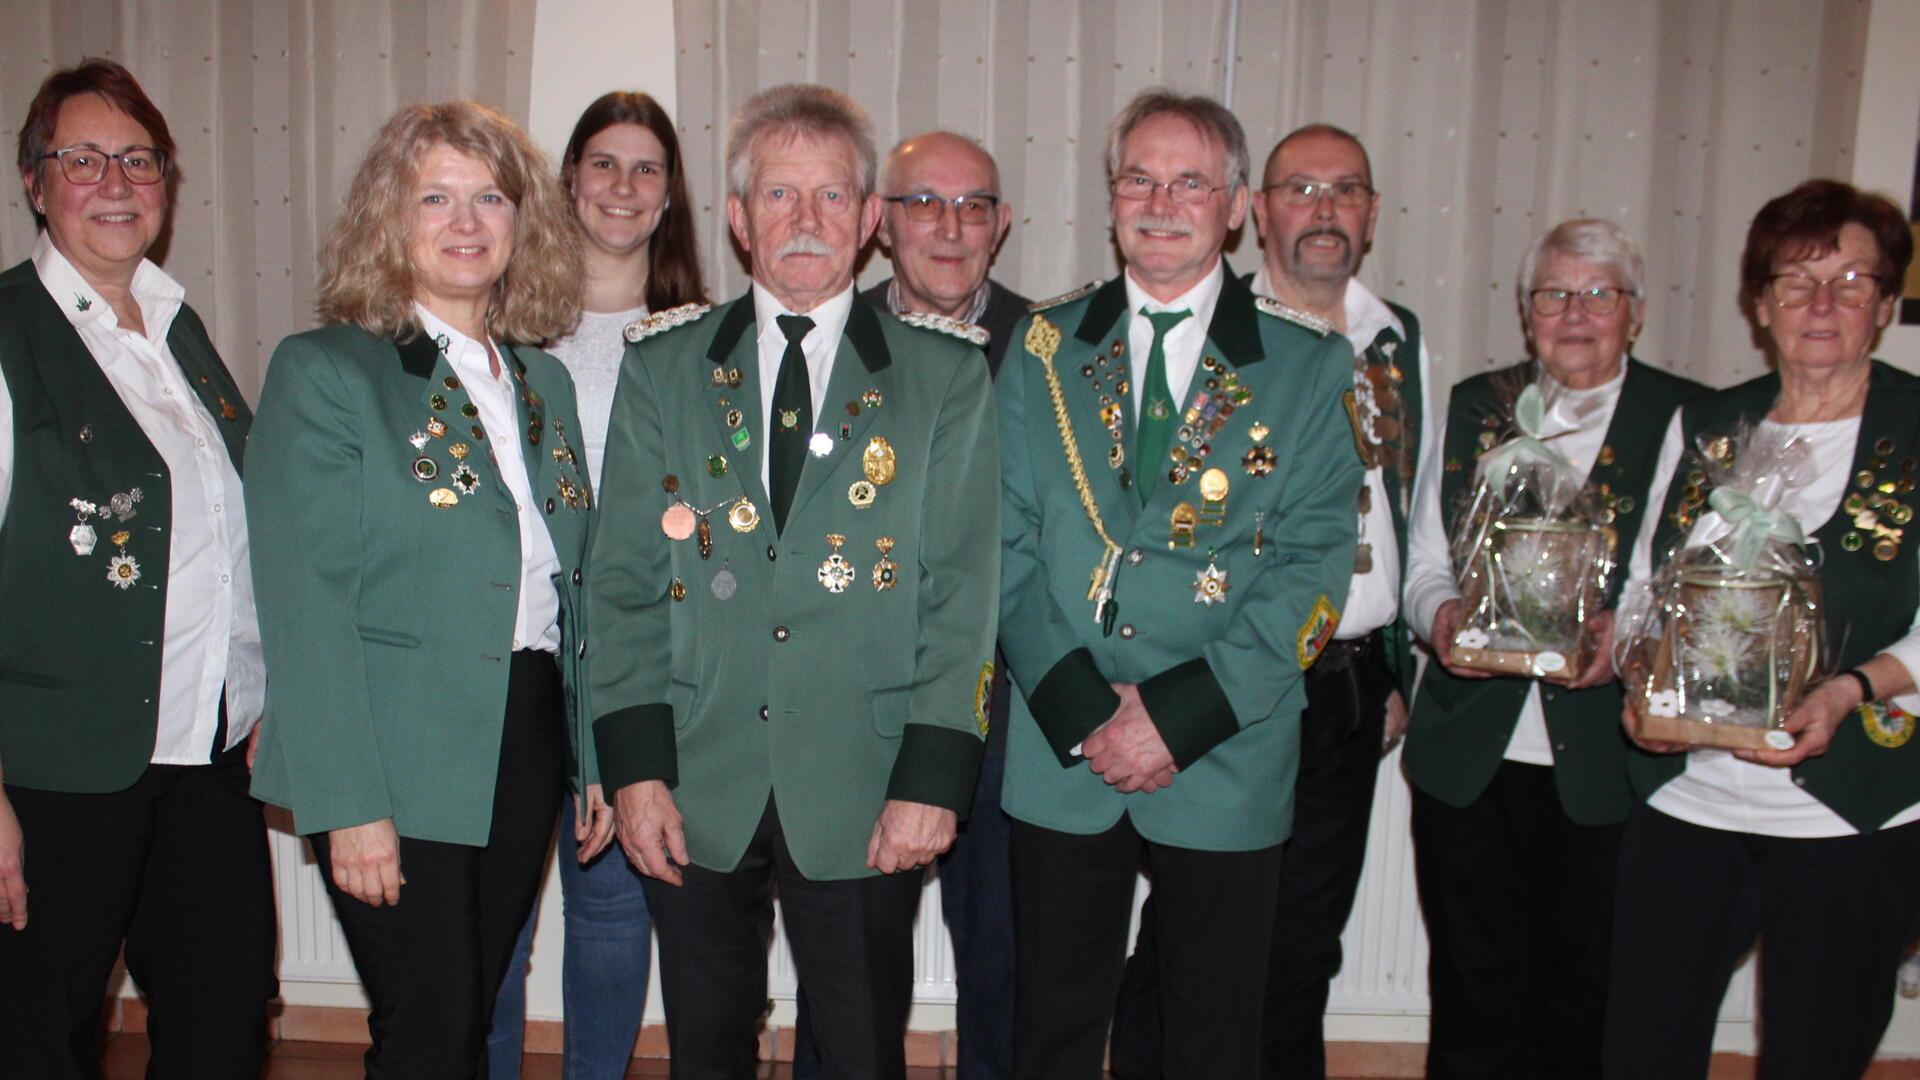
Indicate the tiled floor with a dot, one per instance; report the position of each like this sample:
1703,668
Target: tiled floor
126,1059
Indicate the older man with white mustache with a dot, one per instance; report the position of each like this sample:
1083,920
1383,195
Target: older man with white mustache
794,610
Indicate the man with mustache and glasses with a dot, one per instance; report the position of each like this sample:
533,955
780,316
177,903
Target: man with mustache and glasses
1181,447
792,597
1315,213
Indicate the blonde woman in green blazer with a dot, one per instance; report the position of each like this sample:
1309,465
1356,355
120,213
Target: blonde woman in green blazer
422,510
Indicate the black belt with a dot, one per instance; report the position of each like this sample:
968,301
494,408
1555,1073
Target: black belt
1344,655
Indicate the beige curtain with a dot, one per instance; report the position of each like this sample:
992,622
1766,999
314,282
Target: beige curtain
1487,122
272,103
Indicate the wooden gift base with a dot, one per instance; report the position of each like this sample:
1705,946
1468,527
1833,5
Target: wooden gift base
1691,732
1513,663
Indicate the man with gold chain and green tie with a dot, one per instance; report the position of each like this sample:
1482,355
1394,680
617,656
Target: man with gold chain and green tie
1179,482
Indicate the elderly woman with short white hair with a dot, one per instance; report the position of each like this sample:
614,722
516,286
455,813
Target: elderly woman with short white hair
1519,784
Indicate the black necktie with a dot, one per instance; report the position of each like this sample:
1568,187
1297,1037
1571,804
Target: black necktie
792,419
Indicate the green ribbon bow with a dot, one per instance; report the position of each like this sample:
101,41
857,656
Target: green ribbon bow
1753,525
1526,448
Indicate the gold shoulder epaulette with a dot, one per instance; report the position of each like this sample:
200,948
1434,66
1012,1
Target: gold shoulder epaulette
648,325
945,324
1293,315
1064,298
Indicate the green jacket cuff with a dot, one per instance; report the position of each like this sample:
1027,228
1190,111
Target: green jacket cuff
636,744
936,766
1189,709
1071,701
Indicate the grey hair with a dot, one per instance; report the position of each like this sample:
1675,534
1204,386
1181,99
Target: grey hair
1599,242
889,168
1211,117
798,109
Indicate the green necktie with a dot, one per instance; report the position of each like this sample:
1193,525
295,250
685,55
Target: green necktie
1158,410
792,420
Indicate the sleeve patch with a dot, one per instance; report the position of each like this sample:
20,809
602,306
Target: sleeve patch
982,696
1317,631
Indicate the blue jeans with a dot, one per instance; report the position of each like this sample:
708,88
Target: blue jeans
976,899
609,946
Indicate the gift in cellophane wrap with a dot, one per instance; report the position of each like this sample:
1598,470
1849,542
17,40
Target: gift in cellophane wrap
1531,555
1726,637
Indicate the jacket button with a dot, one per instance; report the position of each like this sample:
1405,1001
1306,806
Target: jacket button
583,648
780,633
1127,631
1136,557
576,576
763,712
771,554
549,506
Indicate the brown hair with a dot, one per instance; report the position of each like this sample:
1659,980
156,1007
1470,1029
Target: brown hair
673,259
93,75
366,274
1805,223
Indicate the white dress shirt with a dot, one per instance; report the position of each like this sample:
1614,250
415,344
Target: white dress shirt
212,636
1577,422
1718,790
819,346
592,355
1183,344
536,621
1373,598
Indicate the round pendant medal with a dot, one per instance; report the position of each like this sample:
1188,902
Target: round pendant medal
743,517
724,584
677,522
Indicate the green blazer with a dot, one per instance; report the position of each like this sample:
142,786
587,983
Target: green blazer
830,703
1458,733
1222,680
387,621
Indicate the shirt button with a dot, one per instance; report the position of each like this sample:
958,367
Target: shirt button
224,579
201,443
217,508
763,712
1136,557
780,633
1127,631
168,391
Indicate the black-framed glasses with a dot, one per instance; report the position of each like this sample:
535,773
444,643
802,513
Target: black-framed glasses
88,164
1853,289
1599,300
1346,194
1187,190
925,207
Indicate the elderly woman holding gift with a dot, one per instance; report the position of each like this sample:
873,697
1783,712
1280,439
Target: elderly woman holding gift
1519,784
1811,848
420,515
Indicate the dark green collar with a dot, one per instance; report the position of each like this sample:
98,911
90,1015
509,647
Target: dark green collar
863,330
1235,329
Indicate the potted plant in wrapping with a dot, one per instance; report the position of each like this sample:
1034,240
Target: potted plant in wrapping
1531,557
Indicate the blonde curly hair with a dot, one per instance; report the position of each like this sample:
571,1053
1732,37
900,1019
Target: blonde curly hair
366,275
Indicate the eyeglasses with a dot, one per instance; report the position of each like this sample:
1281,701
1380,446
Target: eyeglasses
88,165
1600,300
925,208
1853,289
1346,194
1187,191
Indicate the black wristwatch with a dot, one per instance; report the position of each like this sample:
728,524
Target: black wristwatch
1866,685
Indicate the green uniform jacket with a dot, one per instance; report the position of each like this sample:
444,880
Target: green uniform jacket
387,621
832,702
1222,681
1459,730
79,658
1868,602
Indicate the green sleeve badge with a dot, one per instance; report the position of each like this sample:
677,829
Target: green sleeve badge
1317,631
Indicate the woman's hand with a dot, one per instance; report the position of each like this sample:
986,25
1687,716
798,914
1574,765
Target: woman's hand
1600,668
1811,723
1630,721
1445,622
592,823
13,868
366,862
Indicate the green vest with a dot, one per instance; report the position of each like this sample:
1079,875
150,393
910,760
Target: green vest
79,656
1869,603
1400,494
1460,728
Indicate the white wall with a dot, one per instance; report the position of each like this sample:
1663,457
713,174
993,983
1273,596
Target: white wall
1889,125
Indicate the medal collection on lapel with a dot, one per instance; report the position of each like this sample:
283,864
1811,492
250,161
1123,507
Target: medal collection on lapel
1222,393
1106,374
123,570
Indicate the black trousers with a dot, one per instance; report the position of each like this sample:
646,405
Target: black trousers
433,962
1832,917
1340,735
1213,916
1518,902
176,867
852,942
